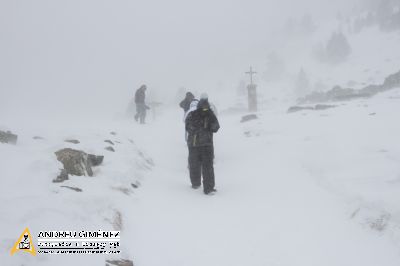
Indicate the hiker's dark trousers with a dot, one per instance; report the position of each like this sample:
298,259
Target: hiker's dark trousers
140,112
201,162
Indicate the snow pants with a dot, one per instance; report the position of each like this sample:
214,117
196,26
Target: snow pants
140,112
201,161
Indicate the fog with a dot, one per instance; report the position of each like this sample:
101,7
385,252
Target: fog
86,55
301,169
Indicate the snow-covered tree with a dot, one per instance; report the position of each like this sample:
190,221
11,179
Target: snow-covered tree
385,13
388,15
364,21
338,48
307,24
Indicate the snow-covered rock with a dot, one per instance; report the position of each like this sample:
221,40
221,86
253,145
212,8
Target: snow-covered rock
8,137
76,162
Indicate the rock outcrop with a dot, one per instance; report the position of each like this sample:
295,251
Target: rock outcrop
249,117
338,93
109,148
73,141
109,141
121,262
317,107
392,81
77,163
293,109
8,137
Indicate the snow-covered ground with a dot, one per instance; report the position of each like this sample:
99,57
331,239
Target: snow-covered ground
308,188
305,188
30,199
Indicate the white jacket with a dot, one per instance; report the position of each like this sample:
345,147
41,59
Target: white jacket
193,107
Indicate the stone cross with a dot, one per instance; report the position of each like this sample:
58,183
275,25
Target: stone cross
252,92
251,73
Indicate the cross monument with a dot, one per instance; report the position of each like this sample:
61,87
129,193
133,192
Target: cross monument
252,92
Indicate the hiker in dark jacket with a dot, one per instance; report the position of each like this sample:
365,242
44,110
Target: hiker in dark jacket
201,124
141,106
185,103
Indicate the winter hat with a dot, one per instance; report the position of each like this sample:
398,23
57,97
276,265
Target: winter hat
189,94
203,104
204,96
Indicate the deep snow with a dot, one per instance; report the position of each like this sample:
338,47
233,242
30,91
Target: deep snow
306,188
286,195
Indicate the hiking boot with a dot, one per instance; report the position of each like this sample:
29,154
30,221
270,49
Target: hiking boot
210,191
196,187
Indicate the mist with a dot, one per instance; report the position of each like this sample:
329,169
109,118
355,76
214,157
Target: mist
93,55
218,133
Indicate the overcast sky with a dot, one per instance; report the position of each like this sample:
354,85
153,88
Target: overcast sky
81,47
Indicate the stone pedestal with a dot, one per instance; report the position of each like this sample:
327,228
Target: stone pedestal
252,97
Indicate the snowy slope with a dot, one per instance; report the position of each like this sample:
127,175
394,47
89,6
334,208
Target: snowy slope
30,199
305,188
294,189
374,55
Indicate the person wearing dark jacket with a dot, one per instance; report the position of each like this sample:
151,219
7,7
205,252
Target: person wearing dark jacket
185,103
201,124
141,106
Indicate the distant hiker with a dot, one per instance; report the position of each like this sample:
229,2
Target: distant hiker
200,125
185,103
141,106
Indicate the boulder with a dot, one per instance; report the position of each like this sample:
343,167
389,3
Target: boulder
73,141
379,223
78,162
109,148
8,137
117,222
121,262
249,117
109,141
323,106
293,109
